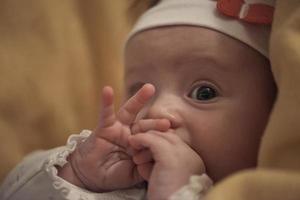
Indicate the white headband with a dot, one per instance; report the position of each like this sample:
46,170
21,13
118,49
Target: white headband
204,13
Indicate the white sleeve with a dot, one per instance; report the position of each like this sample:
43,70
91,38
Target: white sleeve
195,189
36,178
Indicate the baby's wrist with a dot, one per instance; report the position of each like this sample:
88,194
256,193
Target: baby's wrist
71,172
67,173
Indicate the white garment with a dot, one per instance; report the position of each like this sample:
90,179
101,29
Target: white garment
36,178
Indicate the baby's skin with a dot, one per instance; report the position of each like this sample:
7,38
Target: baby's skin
122,152
211,102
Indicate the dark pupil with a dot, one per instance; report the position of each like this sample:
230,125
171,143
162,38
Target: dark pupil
205,93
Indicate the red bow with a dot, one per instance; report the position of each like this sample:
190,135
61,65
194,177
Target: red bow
258,13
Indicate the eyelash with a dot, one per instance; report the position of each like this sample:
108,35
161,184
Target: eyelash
136,86
210,92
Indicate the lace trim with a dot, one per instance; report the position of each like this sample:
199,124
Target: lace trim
60,158
195,190
72,192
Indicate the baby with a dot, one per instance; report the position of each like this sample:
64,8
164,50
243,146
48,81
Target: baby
198,90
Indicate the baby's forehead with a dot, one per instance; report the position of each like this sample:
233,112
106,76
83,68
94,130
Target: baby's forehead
185,38
184,45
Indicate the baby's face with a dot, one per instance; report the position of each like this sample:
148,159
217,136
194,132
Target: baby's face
216,91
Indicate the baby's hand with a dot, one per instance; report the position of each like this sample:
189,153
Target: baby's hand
103,162
143,157
174,162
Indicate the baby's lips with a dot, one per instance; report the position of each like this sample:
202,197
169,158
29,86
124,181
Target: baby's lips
257,13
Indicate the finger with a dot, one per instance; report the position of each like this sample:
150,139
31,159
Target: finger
145,170
107,115
171,137
143,156
150,124
133,106
136,176
157,145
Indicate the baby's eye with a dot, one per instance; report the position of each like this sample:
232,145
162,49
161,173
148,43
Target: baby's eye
203,93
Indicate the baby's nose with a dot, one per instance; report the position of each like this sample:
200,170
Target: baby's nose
166,110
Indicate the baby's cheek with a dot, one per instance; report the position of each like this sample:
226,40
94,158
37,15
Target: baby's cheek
206,138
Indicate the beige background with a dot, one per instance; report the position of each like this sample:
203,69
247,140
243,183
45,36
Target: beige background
55,56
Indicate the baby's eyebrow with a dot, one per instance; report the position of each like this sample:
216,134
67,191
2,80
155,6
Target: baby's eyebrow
179,64
198,62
